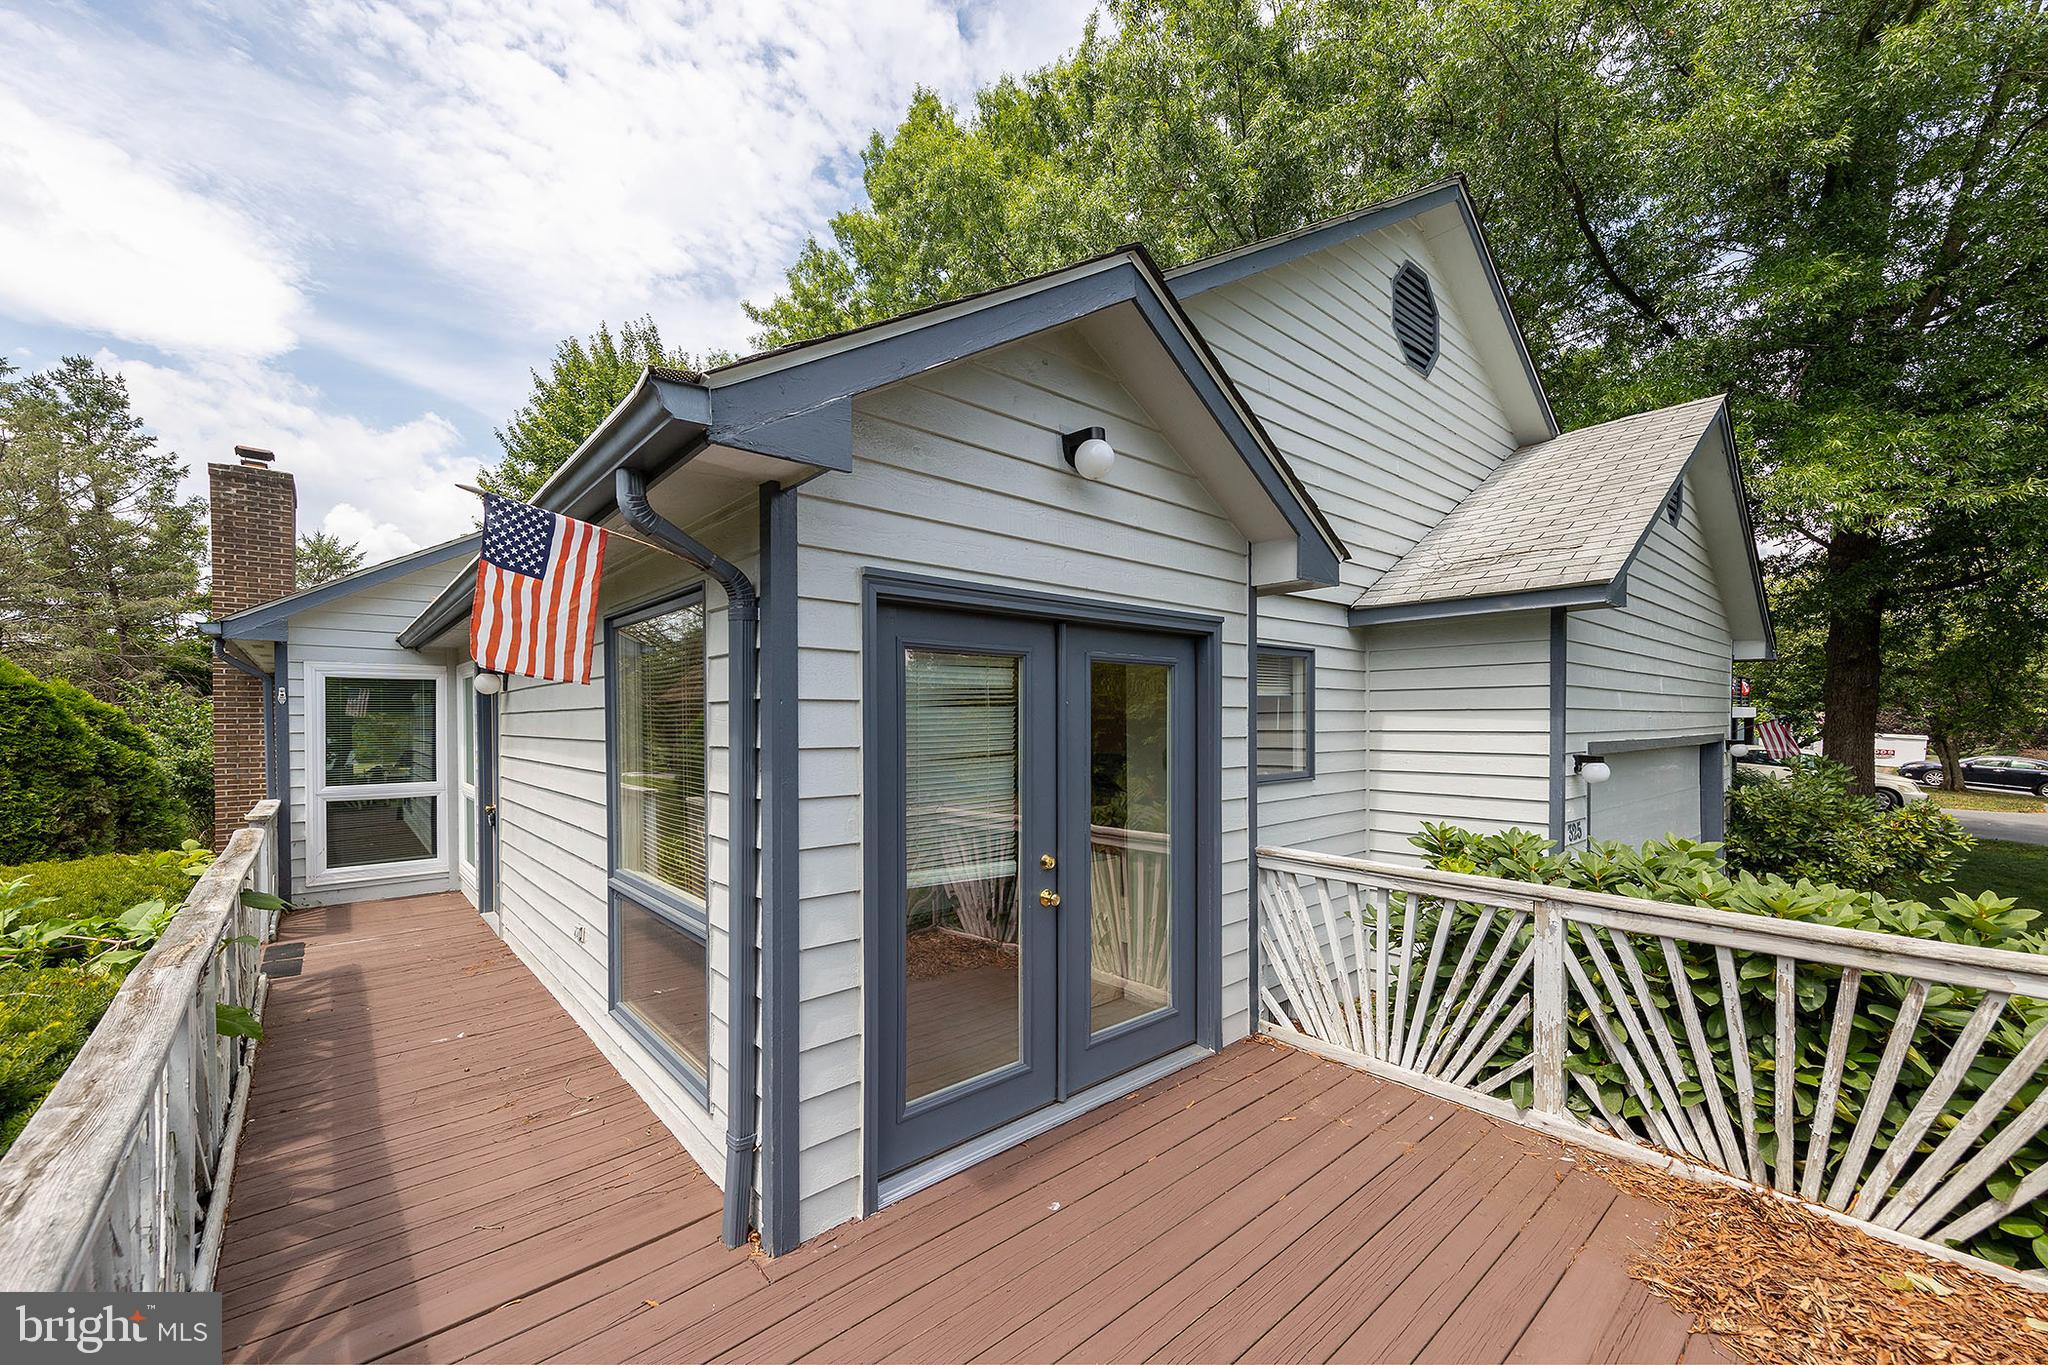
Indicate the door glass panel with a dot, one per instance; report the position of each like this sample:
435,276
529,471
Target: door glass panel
1130,863
960,817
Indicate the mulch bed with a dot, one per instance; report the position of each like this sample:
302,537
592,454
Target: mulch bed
941,952
1781,1285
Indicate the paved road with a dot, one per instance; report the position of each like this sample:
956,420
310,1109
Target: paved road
2004,824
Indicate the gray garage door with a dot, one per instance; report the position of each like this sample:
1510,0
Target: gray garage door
1653,793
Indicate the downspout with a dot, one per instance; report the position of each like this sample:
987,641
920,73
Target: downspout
742,628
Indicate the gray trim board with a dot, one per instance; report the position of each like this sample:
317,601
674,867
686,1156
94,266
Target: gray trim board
1613,594
1713,791
1560,713
278,693
267,620
1251,804
781,846
1604,747
1308,726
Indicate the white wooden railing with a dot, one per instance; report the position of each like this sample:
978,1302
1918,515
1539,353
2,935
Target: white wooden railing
120,1180
1504,995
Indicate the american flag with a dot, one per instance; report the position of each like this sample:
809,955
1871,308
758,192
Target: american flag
1777,737
536,592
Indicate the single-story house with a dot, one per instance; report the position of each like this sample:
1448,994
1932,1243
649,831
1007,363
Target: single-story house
958,664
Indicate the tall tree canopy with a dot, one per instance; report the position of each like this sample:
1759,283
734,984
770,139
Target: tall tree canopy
99,555
585,382
322,558
1834,214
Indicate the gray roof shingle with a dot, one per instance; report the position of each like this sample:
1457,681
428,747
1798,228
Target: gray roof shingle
1564,513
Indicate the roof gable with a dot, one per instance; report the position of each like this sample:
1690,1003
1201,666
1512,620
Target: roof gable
268,620
1446,217
1560,522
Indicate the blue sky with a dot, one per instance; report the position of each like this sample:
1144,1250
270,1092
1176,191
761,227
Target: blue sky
345,229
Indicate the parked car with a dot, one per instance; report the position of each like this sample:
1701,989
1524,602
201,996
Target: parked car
2003,771
1892,792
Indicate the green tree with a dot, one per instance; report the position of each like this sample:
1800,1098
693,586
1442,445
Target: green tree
586,380
322,558
77,776
99,555
1831,214
179,725
1972,669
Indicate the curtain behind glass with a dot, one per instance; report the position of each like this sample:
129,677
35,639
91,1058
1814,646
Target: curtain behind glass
661,720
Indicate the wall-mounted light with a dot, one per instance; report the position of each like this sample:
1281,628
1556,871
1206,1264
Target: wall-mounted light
1089,452
1739,751
1591,768
489,684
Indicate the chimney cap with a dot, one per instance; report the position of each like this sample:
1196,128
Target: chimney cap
255,455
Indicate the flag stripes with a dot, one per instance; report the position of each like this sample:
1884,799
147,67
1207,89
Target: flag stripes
1777,738
537,579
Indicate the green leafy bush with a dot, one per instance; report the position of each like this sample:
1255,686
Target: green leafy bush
104,886
1688,872
1808,824
46,1014
179,725
69,932
76,775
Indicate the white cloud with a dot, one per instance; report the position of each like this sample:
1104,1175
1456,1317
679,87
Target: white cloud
388,489
284,202
93,239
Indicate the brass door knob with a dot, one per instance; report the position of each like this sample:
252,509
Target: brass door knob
1047,861
1048,898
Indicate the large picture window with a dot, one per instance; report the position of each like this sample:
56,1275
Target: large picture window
660,845
1286,713
378,788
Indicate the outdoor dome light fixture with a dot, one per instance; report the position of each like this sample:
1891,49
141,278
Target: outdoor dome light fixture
1591,768
1089,452
1738,751
489,684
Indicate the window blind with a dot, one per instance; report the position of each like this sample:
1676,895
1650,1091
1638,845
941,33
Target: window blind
1283,713
960,767
379,731
660,775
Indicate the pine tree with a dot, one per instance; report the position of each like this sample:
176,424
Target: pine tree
99,555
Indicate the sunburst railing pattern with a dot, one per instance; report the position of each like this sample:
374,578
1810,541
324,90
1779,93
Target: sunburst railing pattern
1716,1040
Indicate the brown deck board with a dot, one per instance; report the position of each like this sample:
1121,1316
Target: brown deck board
439,1165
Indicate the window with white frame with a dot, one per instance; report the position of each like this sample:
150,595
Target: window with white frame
660,842
1286,713
378,777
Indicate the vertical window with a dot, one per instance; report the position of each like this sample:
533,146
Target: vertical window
378,791
660,846
1286,713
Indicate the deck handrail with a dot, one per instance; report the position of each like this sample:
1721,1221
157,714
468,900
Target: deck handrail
1467,985
119,1181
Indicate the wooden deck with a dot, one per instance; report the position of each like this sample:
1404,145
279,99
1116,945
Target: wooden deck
440,1166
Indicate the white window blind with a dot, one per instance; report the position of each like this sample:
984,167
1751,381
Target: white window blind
661,776
960,767
1283,710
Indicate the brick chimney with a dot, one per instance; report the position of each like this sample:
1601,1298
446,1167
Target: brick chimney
255,518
